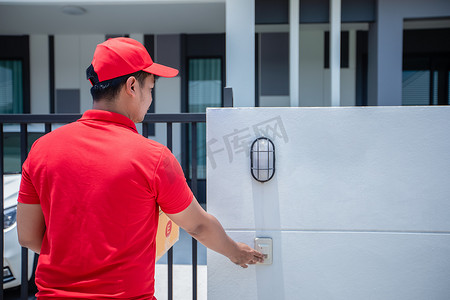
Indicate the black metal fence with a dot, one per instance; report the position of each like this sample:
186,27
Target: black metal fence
189,119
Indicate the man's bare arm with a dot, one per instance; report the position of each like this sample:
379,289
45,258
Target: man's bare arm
30,226
207,230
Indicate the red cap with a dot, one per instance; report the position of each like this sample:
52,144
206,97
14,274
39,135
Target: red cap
121,56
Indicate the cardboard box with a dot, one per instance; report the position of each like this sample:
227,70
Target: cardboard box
167,235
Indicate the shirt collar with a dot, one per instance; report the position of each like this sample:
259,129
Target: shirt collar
108,116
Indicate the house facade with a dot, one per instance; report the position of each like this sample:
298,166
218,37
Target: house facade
283,53
273,53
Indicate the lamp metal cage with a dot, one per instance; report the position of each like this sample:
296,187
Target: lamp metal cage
262,159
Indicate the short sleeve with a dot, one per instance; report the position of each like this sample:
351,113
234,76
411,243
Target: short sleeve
27,192
173,193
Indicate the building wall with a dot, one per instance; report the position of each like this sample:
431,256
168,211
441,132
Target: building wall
168,90
74,51
168,93
358,207
67,72
311,78
73,54
386,45
314,78
39,74
240,50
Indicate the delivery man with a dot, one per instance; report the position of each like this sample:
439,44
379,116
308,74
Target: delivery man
91,190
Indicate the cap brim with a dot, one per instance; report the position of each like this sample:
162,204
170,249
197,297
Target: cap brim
161,70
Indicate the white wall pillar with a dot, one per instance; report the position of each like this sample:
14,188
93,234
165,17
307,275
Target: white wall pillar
389,54
39,75
67,61
294,48
335,51
240,51
386,46
88,43
138,37
363,232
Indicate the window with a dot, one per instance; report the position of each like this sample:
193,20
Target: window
11,87
15,96
434,100
421,87
204,90
416,88
426,66
345,46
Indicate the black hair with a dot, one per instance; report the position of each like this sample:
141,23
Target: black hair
109,89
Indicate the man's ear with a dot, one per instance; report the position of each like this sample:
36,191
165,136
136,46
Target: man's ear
131,85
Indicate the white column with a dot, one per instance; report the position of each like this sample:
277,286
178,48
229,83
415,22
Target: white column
240,51
67,61
39,73
138,37
294,48
387,57
335,51
88,43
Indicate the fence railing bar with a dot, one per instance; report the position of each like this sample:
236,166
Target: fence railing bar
24,269
2,240
194,190
48,127
194,269
170,252
32,118
23,142
169,135
228,97
145,129
67,118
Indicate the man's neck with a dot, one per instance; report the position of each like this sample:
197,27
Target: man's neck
109,105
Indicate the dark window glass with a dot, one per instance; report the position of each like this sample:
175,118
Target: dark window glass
271,12
204,90
314,11
358,11
274,68
416,87
344,49
448,89
426,67
11,87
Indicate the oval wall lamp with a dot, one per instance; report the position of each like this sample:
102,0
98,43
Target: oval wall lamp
262,159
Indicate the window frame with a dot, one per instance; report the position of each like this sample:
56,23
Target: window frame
18,48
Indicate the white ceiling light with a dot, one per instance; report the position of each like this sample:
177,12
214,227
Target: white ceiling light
73,10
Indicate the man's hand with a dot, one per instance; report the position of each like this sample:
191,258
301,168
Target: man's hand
245,255
206,229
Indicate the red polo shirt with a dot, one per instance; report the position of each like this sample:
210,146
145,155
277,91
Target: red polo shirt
99,184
